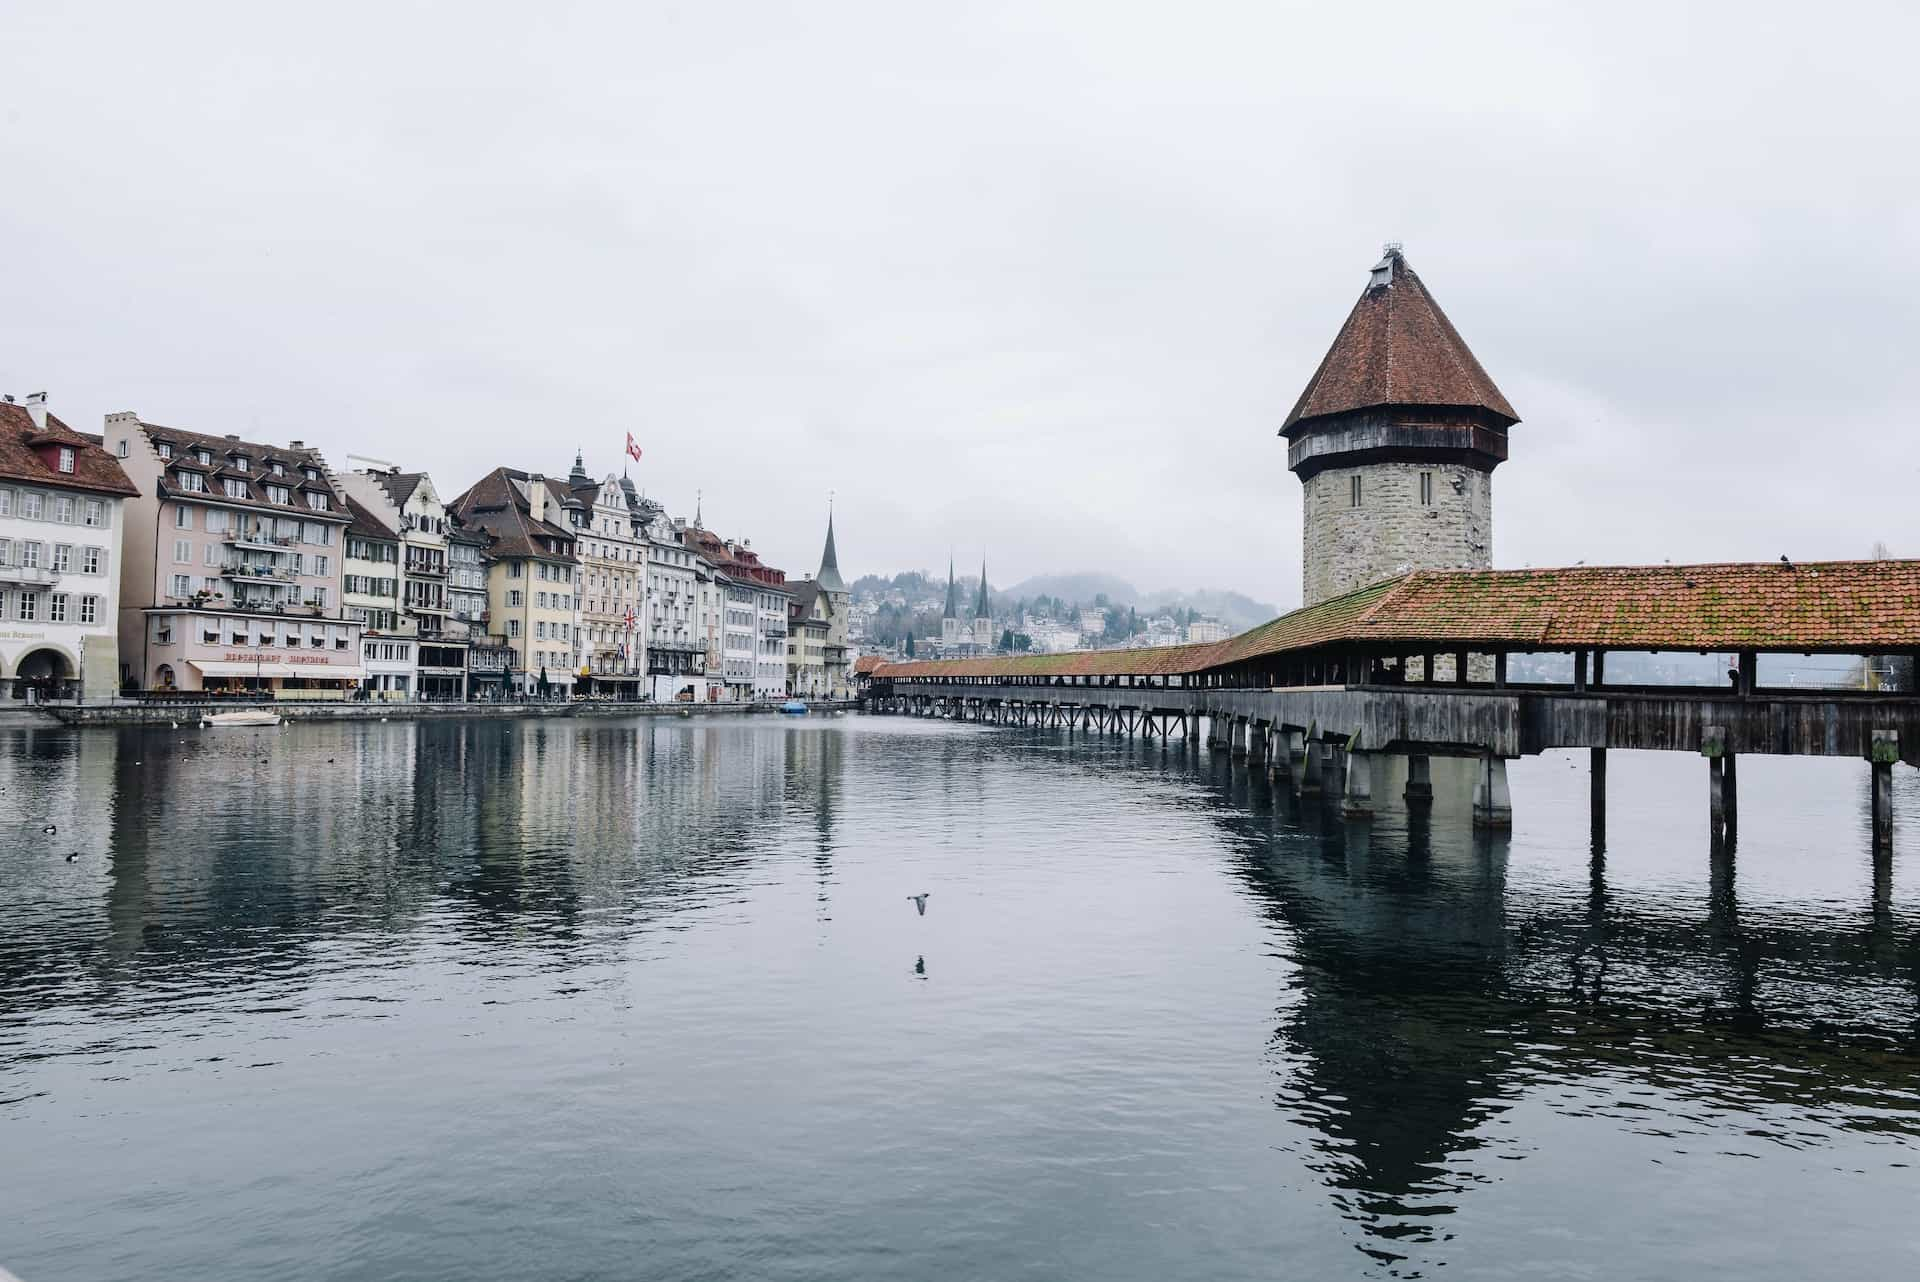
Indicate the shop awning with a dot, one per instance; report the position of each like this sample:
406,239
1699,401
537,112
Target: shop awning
265,671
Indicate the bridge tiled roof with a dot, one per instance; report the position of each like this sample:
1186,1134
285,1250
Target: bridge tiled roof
1862,607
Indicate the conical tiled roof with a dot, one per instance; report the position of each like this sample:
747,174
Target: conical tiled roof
981,610
1398,348
829,576
953,594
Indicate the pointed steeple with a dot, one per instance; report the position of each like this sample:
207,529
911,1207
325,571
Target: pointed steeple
829,576
953,593
980,608
1398,349
578,477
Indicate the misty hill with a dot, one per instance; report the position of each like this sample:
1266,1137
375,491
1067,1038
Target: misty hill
1074,589
1238,612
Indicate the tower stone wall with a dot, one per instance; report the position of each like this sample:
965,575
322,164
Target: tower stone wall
1391,531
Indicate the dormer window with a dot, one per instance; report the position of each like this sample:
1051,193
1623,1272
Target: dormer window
310,474
279,468
236,489
66,458
279,494
318,502
239,462
206,459
166,450
192,481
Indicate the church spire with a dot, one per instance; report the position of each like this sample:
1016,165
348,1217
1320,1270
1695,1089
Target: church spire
953,593
829,576
980,609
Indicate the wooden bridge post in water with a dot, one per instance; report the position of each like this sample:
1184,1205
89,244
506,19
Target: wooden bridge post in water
1713,746
1597,795
1883,753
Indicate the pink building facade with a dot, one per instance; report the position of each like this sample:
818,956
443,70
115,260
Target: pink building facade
234,565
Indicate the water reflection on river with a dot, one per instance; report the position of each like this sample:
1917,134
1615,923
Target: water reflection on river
599,999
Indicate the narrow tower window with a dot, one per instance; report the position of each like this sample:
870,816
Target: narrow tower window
1426,489
1353,498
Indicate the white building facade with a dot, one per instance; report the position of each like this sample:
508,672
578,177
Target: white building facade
62,500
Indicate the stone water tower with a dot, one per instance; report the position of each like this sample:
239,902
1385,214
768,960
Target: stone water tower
1395,440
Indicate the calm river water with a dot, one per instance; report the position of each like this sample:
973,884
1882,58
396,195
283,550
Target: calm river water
647,999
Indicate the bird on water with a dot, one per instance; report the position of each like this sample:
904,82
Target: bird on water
920,902
48,829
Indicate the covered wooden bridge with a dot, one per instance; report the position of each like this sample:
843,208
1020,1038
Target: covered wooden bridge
1453,663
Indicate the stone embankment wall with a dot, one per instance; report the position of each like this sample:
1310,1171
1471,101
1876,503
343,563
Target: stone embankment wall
1392,531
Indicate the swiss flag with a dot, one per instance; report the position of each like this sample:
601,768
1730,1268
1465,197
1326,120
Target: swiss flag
633,449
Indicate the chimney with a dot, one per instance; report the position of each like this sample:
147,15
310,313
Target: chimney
537,497
37,408
296,445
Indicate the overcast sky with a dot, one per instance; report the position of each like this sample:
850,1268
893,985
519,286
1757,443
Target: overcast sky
1031,281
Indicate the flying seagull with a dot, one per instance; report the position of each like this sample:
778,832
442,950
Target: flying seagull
920,902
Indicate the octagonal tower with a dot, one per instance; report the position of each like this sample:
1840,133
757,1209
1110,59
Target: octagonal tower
1395,440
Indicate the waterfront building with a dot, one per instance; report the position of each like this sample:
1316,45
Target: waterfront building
676,653
467,589
408,503
610,646
370,596
532,573
1394,440
809,625
61,525
233,567
753,617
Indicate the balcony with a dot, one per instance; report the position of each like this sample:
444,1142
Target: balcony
256,573
30,576
259,542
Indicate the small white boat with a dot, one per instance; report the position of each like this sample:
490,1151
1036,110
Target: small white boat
250,717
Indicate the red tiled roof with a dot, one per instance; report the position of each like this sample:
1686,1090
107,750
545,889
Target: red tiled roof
94,470
1857,607
1398,348
498,504
222,449
867,663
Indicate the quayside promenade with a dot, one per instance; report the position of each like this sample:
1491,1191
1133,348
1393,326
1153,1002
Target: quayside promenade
135,713
1417,666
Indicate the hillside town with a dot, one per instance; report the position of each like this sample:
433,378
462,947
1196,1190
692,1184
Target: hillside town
161,561
951,620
